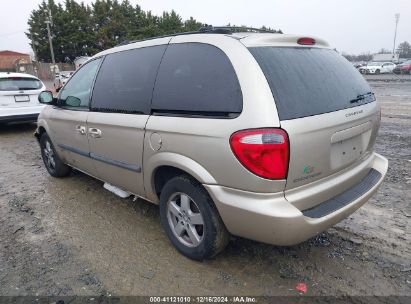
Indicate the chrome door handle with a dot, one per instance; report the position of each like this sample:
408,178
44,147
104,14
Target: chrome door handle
81,129
94,132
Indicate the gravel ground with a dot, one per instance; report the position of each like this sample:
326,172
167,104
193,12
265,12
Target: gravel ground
71,237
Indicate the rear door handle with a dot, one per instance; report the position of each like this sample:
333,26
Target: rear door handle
81,129
94,132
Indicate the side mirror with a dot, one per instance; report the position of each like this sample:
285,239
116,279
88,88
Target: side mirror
46,97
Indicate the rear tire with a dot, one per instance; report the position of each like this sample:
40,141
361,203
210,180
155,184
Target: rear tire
191,220
54,165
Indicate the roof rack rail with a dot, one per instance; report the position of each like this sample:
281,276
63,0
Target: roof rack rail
208,29
233,29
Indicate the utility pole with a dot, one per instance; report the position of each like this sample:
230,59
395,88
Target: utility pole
397,18
49,23
33,46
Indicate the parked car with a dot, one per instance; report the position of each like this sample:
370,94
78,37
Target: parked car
403,68
358,65
260,135
402,60
61,78
19,97
377,68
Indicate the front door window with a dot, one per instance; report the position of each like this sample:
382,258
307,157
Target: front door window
77,91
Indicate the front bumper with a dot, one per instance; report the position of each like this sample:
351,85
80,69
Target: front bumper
273,219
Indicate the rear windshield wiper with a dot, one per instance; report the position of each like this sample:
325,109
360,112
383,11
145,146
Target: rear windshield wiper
362,97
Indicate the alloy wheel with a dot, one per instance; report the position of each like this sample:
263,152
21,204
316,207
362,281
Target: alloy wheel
185,219
49,155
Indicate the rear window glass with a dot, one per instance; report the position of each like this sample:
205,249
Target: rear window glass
196,78
311,81
19,83
126,79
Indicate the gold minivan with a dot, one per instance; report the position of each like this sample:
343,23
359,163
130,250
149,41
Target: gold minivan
254,134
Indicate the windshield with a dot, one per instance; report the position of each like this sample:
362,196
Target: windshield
19,83
311,81
374,63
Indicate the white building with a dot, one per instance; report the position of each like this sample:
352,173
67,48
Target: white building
385,57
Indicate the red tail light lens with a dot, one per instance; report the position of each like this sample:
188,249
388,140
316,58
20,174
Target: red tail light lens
306,41
265,152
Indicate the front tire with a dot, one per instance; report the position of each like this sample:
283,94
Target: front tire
377,72
191,220
54,165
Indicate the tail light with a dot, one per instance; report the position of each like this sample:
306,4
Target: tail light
264,152
306,41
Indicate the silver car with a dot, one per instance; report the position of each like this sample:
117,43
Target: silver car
260,135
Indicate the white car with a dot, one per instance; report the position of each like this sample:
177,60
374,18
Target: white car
377,68
61,79
19,97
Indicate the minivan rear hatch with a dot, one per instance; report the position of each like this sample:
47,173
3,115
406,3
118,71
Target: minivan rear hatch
326,107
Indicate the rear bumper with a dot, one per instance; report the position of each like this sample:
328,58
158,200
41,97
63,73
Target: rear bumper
19,118
272,219
20,114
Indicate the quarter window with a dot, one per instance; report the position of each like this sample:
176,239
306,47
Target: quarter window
196,78
126,79
76,93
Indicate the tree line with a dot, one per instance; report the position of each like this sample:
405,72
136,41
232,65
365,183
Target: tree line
83,30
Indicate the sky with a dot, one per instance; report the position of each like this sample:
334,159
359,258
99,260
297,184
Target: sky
350,26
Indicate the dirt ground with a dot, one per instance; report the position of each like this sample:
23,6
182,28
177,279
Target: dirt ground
71,237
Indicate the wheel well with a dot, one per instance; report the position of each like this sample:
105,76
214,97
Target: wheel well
39,132
163,174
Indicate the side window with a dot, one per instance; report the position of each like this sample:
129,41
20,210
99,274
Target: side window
196,78
76,92
126,79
